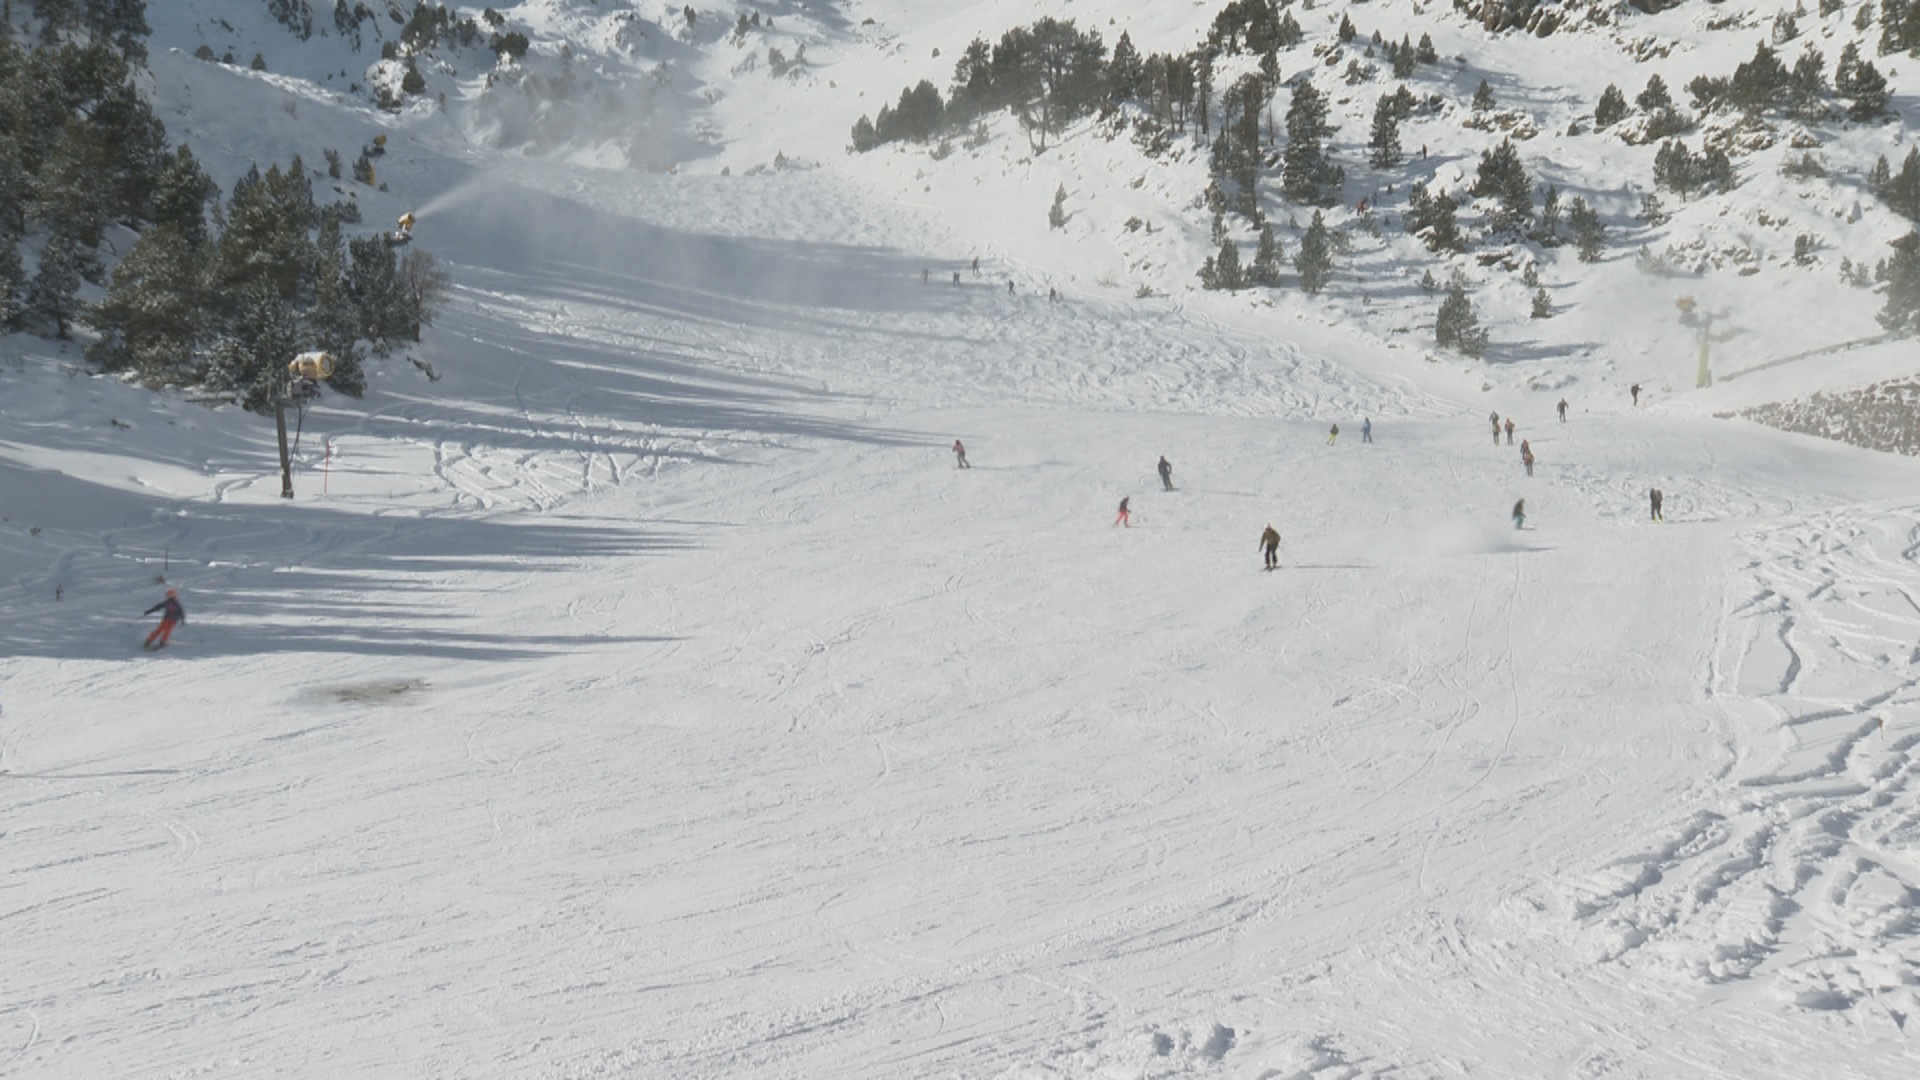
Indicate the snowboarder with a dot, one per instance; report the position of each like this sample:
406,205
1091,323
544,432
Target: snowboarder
1270,544
960,456
1520,514
1526,456
1509,431
1366,429
1332,434
1636,393
1656,498
1124,517
1494,419
171,615
1166,472
1563,410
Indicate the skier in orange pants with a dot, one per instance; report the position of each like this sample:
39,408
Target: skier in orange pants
171,615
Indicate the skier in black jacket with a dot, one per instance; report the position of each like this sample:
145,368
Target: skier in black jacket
171,615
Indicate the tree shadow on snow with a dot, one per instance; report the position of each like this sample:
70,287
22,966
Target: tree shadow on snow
281,577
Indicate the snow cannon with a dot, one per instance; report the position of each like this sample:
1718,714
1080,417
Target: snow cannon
403,233
305,372
311,365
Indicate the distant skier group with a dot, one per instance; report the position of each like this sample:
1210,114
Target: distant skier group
1270,537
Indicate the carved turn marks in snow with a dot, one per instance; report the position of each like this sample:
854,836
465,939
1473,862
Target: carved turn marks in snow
1800,870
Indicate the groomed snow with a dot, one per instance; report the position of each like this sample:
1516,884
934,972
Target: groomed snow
650,695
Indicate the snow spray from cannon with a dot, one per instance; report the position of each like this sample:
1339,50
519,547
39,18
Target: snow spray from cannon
461,192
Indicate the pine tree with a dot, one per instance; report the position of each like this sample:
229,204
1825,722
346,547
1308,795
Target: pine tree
1503,177
373,281
1226,267
1457,326
1806,88
1385,140
1612,108
1589,235
1315,260
1861,84
1305,173
264,232
1542,304
72,191
181,194
1266,259
251,358
50,296
423,284
333,323
13,276
1880,177
1655,97
1426,53
1903,190
1483,98
155,311
1901,313
1346,31
1758,84
1675,168
1402,58
1550,217
1126,74
1057,214
1434,218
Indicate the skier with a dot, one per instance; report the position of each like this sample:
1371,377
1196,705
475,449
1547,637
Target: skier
976,266
1636,393
1563,410
1526,456
1124,517
1009,288
1494,419
1333,434
1509,431
1270,543
1366,429
960,456
1520,514
925,275
956,277
1656,498
1166,472
171,615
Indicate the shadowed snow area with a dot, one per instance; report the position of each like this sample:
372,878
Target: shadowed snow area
649,695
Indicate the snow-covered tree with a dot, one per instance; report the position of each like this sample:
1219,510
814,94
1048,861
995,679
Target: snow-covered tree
155,310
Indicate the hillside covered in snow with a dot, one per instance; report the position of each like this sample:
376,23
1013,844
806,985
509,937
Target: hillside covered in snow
635,685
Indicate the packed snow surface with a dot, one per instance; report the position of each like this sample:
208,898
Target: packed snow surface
650,695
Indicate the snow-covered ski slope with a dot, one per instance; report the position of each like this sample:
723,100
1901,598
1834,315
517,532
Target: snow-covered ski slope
650,695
